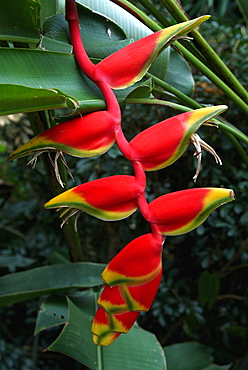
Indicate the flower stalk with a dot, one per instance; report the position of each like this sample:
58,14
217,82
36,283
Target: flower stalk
132,277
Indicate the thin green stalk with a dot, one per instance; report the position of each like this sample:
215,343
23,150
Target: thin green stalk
215,79
40,122
228,128
137,13
190,57
155,12
183,97
165,103
165,23
217,64
238,147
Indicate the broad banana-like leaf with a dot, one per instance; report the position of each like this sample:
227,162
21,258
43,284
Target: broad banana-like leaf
40,281
20,21
44,83
137,349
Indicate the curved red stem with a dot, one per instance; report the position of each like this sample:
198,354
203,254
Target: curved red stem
81,56
88,68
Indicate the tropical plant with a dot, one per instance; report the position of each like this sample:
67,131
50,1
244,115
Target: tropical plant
75,108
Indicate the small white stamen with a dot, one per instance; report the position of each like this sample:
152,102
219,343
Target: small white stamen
200,144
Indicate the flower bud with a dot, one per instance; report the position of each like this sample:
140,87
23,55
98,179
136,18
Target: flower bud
128,65
133,278
86,136
182,211
131,267
109,198
162,144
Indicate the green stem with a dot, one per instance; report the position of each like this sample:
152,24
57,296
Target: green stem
183,97
155,12
40,122
238,147
165,23
137,13
165,103
217,64
233,131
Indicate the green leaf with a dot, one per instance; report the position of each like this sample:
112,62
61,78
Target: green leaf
54,309
45,83
51,7
136,350
179,74
208,289
13,261
59,256
40,281
236,331
49,44
218,367
53,312
20,21
187,356
47,73
242,4
101,36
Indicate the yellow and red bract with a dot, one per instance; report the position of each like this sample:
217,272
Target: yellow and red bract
108,198
182,211
128,65
129,290
86,136
162,144
143,249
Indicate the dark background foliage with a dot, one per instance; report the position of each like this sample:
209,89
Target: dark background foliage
215,256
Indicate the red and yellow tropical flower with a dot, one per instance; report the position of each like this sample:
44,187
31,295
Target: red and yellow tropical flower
128,65
108,198
182,211
162,144
86,136
132,279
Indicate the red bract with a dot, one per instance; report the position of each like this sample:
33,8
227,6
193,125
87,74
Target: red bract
133,278
86,136
109,198
182,211
124,269
162,144
128,65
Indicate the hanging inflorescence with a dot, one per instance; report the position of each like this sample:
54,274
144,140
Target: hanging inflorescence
132,278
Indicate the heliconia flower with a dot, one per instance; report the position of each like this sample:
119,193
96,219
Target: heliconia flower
124,269
85,136
162,144
182,211
123,298
109,198
128,65
132,279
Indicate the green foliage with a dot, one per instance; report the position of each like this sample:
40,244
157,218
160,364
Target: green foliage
189,355
203,295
